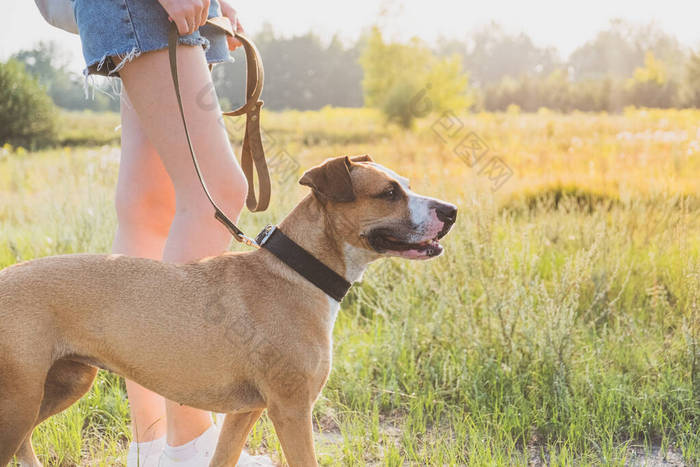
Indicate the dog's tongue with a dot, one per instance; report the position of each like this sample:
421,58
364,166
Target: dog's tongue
428,250
432,249
413,254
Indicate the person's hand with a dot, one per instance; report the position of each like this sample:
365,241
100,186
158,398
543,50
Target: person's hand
188,15
228,11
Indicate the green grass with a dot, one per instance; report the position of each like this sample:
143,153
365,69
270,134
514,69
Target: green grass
88,128
560,333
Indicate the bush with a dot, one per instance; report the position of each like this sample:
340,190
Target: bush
571,198
27,114
650,86
398,104
407,81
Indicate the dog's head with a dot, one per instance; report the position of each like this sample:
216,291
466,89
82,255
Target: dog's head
374,208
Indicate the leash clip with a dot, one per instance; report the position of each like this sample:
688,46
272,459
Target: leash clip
246,240
235,231
265,234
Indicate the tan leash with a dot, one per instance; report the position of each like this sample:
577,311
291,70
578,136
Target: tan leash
271,237
252,153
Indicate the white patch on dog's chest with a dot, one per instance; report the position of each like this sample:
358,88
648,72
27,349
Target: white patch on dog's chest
333,308
356,260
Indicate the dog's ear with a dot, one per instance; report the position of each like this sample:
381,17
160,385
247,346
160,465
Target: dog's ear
362,158
331,180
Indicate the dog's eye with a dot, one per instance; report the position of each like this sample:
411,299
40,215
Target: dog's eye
392,193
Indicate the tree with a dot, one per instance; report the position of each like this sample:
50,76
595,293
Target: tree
407,80
621,48
691,84
611,53
27,115
650,86
490,54
66,89
300,73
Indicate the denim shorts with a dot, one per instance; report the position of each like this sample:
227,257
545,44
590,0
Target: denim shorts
128,28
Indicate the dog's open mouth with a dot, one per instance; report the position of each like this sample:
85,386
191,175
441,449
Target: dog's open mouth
384,242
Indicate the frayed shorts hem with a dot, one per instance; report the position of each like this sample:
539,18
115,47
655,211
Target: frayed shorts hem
114,32
106,66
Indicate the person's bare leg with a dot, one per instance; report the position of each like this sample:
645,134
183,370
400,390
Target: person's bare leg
194,232
145,205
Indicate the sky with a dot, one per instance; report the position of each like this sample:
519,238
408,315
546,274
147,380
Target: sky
559,23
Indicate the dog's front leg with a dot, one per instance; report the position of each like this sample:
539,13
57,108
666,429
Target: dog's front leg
295,432
232,438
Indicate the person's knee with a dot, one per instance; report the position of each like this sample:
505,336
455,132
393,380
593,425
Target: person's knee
147,209
234,190
227,188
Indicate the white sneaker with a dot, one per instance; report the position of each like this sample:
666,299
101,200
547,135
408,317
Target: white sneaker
196,453
145,454
246,460
204,447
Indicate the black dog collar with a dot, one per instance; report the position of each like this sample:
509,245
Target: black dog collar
290,253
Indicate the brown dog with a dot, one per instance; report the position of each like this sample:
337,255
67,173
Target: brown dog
244,331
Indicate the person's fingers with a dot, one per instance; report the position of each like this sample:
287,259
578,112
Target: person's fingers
191,24
182,26
231,14
234,43
188,15
239,28
232,18
204,13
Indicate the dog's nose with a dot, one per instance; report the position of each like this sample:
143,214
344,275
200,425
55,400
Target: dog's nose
446,212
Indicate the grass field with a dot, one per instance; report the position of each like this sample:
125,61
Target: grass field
561,326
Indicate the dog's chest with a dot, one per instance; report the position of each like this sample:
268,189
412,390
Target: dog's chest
333,307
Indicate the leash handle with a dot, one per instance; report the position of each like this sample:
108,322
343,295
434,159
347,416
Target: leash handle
252,152
255,74
219,214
